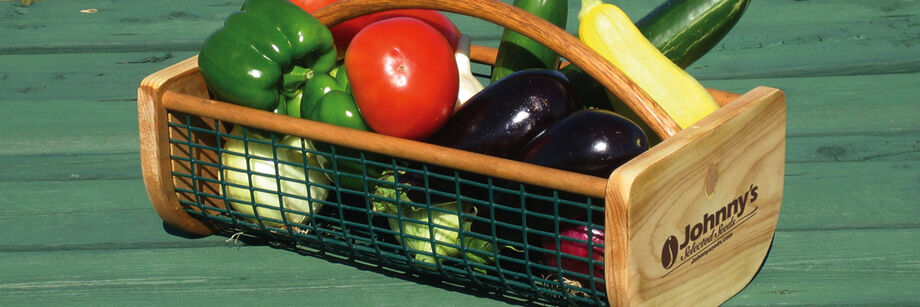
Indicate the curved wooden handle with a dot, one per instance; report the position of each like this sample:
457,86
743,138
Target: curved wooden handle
534,27
487,55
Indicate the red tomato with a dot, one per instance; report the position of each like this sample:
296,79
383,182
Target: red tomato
403,76
311,5
433,18
344,32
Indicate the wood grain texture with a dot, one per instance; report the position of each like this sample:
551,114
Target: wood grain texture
693,179
816,268
103,76
116,26
797,47
834,268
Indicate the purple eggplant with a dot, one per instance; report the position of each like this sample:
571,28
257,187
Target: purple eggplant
500,120
592,142
503,117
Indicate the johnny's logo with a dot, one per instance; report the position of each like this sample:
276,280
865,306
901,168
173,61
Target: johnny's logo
713,229
669,252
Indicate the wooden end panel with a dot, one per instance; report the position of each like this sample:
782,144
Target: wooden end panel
154,141
699,210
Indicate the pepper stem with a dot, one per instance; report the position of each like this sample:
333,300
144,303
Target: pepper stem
297,76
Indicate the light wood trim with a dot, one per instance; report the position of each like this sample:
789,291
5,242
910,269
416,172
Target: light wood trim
723,98
156,166
677,184
388,145
536,28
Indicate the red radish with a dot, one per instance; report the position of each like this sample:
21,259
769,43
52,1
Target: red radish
569,247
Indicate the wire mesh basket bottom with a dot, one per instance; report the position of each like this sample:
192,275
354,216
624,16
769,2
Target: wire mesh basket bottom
418,219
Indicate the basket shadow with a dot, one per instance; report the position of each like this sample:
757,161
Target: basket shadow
367,264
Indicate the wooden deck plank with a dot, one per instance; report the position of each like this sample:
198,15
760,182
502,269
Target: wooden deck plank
102,76
787,38
795,45
114,26
842,104
70,167
835,268
78,213
804,268
850,195
68,127
212,275
853,147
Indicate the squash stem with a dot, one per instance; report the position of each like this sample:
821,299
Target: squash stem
587,5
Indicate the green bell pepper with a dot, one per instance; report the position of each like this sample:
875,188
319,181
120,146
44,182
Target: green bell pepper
268,49
342,78
337,107
301,102
315,88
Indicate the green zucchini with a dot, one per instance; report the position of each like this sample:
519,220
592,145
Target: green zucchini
517,52
685,30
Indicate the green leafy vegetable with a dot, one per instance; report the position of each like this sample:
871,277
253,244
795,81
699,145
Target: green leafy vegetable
429,232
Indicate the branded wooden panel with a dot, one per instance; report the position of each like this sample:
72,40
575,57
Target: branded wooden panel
690,221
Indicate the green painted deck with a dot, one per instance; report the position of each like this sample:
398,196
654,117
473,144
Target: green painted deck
78,228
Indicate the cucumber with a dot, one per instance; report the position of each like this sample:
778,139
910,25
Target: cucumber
517,52
685,30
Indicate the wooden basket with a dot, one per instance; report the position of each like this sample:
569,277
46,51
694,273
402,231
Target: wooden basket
689,222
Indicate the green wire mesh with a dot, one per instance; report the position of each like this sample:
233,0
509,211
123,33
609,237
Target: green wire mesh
494,242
